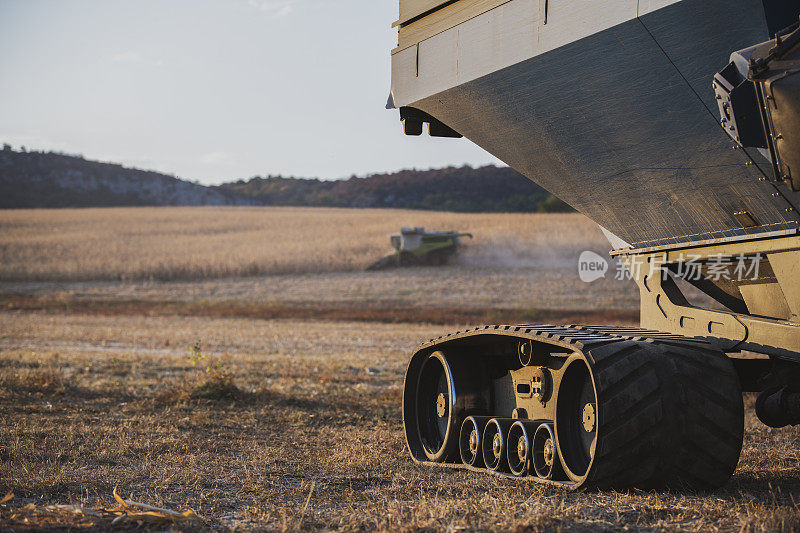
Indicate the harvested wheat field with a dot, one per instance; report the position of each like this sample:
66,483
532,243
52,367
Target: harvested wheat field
211,242
303,263
292,425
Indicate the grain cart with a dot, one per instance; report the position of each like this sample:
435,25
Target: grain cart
415,246
675,125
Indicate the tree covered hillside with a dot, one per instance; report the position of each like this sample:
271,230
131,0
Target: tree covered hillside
464,189
51,179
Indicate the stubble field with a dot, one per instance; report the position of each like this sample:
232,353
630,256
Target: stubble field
274,401
310,437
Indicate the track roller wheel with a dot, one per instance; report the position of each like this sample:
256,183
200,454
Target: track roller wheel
544,456
494,444
519,446
649,414
469,441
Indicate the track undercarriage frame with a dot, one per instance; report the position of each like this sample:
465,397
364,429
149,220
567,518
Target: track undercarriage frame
756,282
601,406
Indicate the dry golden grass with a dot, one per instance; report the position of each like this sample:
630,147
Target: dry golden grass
290,424
312,439
210,242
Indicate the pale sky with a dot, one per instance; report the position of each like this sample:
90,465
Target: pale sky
213,90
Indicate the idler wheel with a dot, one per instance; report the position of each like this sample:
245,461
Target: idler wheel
443,392
435,396
576,421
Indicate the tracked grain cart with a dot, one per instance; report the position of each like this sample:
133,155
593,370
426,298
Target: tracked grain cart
675,125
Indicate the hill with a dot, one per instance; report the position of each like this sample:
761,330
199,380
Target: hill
49,179
52,179
460,189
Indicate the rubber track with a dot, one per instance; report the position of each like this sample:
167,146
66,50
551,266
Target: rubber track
670,410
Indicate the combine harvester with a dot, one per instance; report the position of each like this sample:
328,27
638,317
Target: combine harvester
675,125
415,246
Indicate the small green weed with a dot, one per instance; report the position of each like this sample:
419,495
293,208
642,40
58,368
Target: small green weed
216,382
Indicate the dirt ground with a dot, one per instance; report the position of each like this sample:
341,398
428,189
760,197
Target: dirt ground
286,425
454,295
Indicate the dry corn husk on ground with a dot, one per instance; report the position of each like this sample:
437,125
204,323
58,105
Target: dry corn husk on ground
126,514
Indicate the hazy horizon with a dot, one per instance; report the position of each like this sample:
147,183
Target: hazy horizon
212,90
